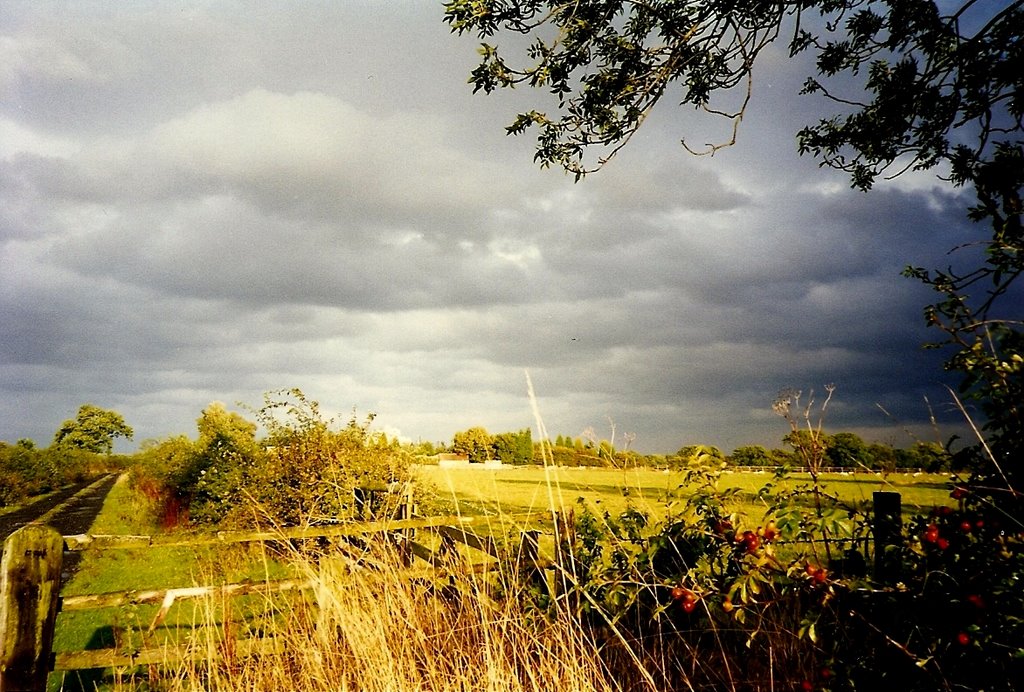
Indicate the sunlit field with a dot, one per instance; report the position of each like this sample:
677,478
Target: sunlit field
513,490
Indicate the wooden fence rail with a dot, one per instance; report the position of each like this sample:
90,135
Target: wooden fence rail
31,567
30,586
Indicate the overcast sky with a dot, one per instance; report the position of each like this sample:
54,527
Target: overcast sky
206,201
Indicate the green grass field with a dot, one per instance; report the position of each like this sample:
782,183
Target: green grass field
126,512
472,491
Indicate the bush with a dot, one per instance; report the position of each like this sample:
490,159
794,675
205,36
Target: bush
303,472
795,590
26,470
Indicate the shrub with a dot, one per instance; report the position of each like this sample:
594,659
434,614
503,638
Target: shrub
794,589
310,472
26,470
304,471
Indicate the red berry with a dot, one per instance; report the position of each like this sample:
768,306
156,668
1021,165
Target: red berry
976,601
727,605
807,686
966,526
688,606
820,576
963,638
678,592
942,543
958,493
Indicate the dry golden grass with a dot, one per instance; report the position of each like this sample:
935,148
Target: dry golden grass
381,628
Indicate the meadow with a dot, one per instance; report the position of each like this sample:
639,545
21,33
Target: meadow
498,639
533,489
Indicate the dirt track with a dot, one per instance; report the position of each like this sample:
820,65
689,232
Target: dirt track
70,510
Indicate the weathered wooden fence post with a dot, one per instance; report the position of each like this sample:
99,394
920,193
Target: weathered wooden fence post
886,527
29,599
528,560
406,536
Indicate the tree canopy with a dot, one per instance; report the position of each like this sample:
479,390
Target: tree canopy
933,86
476,443
93,429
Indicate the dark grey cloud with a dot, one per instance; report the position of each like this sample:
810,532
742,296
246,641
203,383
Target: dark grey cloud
204,203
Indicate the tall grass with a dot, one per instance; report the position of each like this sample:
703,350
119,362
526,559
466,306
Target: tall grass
378,627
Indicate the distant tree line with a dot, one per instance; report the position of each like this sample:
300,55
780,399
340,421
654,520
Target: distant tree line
507,447
81,449
846,450
843,450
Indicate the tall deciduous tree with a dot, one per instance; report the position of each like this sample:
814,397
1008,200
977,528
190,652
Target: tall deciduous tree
847,449
750,455
93,429
475,442
514,447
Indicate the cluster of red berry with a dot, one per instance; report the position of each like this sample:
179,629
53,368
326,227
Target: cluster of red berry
749,541
819,575
968,543
686,597
946,522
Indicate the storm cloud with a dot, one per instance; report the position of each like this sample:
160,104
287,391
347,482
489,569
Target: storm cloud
207,202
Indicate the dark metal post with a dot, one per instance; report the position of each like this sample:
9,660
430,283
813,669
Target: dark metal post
887,528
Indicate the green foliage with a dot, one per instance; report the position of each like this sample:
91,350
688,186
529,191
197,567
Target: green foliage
475,442
93,430
697,585
216,474
847,450
750,455
26,470
304,471
692,452
979,314
312,470
957,611
508,447
23,472
426,448
926,80
796,585
569,456
514,447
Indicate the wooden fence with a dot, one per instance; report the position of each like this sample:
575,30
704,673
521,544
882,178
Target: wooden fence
30,585
31,567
